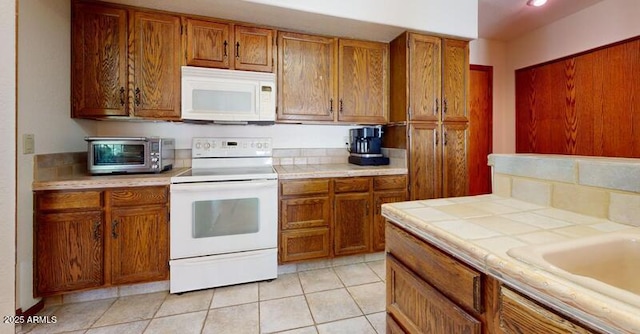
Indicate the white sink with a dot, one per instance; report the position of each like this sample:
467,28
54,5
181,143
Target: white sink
607,263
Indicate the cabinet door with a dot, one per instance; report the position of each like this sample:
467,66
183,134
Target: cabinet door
307,77
208,43
454,175
253,49
304,244
363,82
139,244
379,198
99,61
454,77
420,308
352,223
156,64
68,252
305,212
424,78
424,161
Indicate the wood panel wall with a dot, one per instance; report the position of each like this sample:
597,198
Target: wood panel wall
585,104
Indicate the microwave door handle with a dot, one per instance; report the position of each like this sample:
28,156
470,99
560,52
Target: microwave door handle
117,138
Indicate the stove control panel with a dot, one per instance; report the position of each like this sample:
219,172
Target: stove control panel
210,147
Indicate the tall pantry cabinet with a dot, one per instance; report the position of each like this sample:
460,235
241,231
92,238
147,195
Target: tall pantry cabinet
429,113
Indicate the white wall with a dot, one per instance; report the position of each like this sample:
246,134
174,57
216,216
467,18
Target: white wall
606,22
7,152
283,135
43,109
448,17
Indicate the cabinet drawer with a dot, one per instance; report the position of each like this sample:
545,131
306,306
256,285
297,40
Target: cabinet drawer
453,278
352,184
304,187
304,212
86,200
390,182
139,196
420,308
304,244
518,314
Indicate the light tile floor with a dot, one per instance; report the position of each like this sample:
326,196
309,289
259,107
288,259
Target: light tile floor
342,299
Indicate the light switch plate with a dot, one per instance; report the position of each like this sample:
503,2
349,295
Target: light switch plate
28,143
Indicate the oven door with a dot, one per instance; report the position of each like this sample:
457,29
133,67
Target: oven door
210,218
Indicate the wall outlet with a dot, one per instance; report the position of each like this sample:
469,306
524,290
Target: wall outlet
346,141
28,143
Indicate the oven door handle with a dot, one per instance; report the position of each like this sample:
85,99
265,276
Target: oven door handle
221,186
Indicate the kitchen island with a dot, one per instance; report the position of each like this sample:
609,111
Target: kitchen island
528,207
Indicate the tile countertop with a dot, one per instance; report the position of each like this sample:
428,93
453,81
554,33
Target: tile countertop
108,181
479,230
335,170
284,172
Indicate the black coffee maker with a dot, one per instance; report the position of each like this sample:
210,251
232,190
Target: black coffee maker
366,146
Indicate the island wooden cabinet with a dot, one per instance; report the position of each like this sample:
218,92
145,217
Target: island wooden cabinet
327,217
95,238
429,110
330,80
229,46
124,62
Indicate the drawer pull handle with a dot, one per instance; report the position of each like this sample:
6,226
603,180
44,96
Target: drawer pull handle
477,294
331,105
96,231
238,50
225,49
114,227
137,97
122,96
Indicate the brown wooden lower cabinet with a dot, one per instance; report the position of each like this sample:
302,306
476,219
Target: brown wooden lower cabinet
327,217
430,291
87,239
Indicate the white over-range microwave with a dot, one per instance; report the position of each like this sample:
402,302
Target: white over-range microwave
228,96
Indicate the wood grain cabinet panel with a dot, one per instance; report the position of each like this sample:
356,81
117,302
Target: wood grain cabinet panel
304,244
519,314
139,244
304,187
99,61
68,251
253,48
455,182
352,223
351,184
425,161
455,73
305,212
208,43
424,77
583,104
420,307
96,238
378,227
307,77
156,65
363,82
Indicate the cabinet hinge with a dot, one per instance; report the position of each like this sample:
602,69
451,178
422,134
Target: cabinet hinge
168,217
181,29
409,112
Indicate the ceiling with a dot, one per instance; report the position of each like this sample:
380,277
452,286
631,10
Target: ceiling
497,19
507,19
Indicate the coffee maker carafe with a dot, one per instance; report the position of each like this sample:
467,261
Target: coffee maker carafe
366,146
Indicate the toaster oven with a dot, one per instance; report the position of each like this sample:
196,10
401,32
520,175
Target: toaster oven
124,155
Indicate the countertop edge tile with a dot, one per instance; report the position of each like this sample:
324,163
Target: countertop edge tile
335,170
592,307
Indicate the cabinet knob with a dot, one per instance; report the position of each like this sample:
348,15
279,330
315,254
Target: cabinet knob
437,107
122,96
341,105
331,105
444,105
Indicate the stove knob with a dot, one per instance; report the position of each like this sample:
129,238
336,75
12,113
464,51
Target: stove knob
207,146
198,145
259,145
266,145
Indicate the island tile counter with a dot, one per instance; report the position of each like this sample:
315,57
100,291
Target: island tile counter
537,200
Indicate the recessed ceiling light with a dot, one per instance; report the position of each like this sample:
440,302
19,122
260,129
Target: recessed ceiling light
536,3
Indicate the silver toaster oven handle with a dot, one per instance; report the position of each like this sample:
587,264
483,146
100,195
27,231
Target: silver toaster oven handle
117,138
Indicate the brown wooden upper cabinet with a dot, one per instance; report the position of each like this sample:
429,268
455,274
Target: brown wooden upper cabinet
124,63
229,46
329,80
431,78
